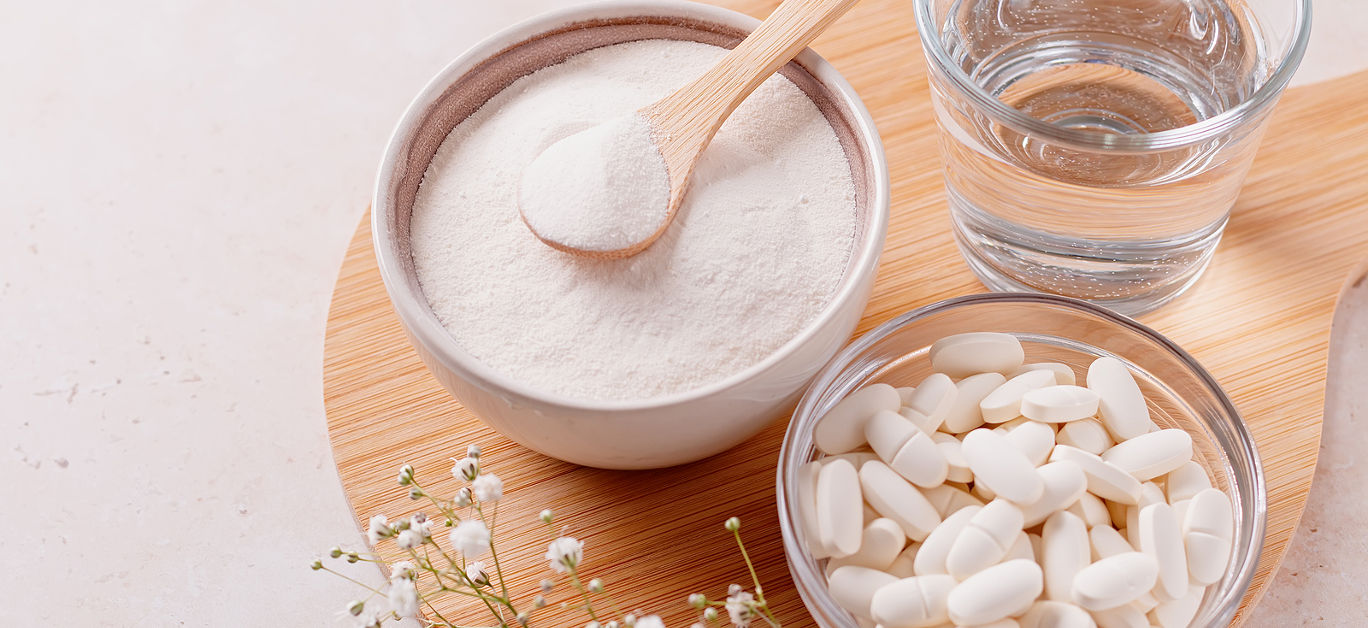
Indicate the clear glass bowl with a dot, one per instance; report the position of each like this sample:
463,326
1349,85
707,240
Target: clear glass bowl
1180,393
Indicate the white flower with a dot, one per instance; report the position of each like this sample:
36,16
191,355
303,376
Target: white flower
649,621
465,469
409,539
401,569
422,525
739,608
403,597
477,574
470,538
488,487
462,497
370,619
564,553
379,529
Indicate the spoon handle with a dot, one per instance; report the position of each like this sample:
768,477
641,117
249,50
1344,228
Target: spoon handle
692,115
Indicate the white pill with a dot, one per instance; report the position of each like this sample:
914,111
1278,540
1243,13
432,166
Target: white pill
1120,617
1059,404
839,513
981,491
906,448
1037,546
1186,481
905,394
1086,434
1207,531
1004,402
857,458
931,555
1090,508
1053,614
984,542
1153,454
1161,536
880,544
1178,613
1001,467
934,396
949,499
902,566
913,602
958,466
1021,549
1066,552
1064,483
980,352
926,423
1115,581
1036,440
1121,404
1105,480
1005,622
807,507
1107,542
964,413
1064,374
1003,590
842,427
1145,602
894,498
854,588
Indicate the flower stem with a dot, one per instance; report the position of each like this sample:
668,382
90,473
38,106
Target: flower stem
588,605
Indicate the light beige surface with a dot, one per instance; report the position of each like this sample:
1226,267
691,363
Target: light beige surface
181,179
1322,580
1259,321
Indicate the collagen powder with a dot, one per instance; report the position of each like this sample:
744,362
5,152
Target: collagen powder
755,253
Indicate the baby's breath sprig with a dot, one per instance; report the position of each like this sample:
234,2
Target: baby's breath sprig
742,606
428,571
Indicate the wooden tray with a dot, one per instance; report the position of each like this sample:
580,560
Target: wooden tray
1259,320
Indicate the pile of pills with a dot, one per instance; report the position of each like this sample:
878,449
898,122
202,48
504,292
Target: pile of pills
998,493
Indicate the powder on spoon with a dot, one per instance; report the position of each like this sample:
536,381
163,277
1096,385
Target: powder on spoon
754,255
602,189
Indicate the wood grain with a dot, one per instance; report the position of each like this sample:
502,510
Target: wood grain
1259,320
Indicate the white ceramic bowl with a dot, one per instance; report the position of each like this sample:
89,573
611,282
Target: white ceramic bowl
662,431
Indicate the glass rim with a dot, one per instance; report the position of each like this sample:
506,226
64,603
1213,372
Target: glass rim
1172,138
1252,520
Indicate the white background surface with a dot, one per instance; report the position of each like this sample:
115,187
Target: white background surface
180,181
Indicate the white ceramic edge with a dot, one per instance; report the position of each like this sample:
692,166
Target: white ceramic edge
706,416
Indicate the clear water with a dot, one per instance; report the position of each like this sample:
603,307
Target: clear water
1129,229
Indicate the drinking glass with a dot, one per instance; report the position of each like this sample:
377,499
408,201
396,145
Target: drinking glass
1094,148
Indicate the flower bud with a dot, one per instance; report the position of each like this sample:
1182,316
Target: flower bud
405,475
539,601
629,619
710,614
523,618
316,565
547,585
596,586
462,498
733,524
698,600
415,493
356,607
546,516
335,552
473,451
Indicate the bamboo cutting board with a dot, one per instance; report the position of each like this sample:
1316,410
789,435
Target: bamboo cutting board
1259,321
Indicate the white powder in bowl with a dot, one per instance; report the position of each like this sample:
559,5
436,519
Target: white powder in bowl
755,253
605,188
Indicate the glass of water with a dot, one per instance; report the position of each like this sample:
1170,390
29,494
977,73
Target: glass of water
1093,148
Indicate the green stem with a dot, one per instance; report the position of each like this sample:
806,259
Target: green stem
354,581
588,606
479,510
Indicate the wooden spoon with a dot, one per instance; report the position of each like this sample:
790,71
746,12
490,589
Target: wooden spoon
682,124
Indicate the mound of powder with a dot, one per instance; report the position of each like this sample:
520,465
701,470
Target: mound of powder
603,189
755,253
